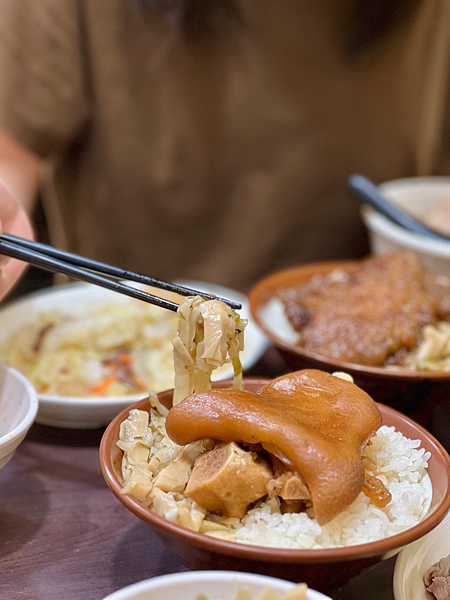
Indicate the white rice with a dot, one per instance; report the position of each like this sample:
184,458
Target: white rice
401,465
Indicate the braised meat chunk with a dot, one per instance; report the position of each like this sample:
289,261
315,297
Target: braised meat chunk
314,423
365,316
437,579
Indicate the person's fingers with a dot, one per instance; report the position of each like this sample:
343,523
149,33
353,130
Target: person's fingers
15,221
13,268
8,208
8,204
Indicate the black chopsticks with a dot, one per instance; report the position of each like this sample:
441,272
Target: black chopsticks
92,271
368,192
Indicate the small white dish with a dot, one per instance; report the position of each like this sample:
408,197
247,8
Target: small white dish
213,584
18,408
419,196
77,299
415,559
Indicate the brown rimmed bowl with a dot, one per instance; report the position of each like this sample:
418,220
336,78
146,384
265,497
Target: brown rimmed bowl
321,569
420,394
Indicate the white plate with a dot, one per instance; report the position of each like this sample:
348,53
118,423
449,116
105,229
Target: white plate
77,299
415,560
213,584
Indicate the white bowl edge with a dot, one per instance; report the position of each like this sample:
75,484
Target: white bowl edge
11,440
203,582
386,236
415,559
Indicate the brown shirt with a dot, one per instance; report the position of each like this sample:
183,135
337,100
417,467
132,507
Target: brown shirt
223,160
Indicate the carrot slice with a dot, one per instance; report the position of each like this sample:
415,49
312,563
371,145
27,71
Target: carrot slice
125,359
103,385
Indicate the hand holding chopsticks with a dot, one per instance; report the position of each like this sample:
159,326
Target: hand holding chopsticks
92,271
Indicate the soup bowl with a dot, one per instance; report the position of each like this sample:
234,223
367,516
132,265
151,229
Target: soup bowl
18,409
424,198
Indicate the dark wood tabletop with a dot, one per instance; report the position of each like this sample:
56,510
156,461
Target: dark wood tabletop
64,535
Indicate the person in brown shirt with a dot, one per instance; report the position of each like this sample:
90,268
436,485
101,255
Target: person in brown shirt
213,140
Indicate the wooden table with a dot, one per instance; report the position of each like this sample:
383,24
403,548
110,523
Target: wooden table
64,536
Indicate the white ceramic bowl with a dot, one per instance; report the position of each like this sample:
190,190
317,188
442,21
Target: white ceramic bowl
414,561
18,408
78,298
419,196
213,584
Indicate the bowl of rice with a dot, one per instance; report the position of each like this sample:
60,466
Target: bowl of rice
405,367
292,546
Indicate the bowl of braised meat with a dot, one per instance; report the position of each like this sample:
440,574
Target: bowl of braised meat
303,477
383,319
